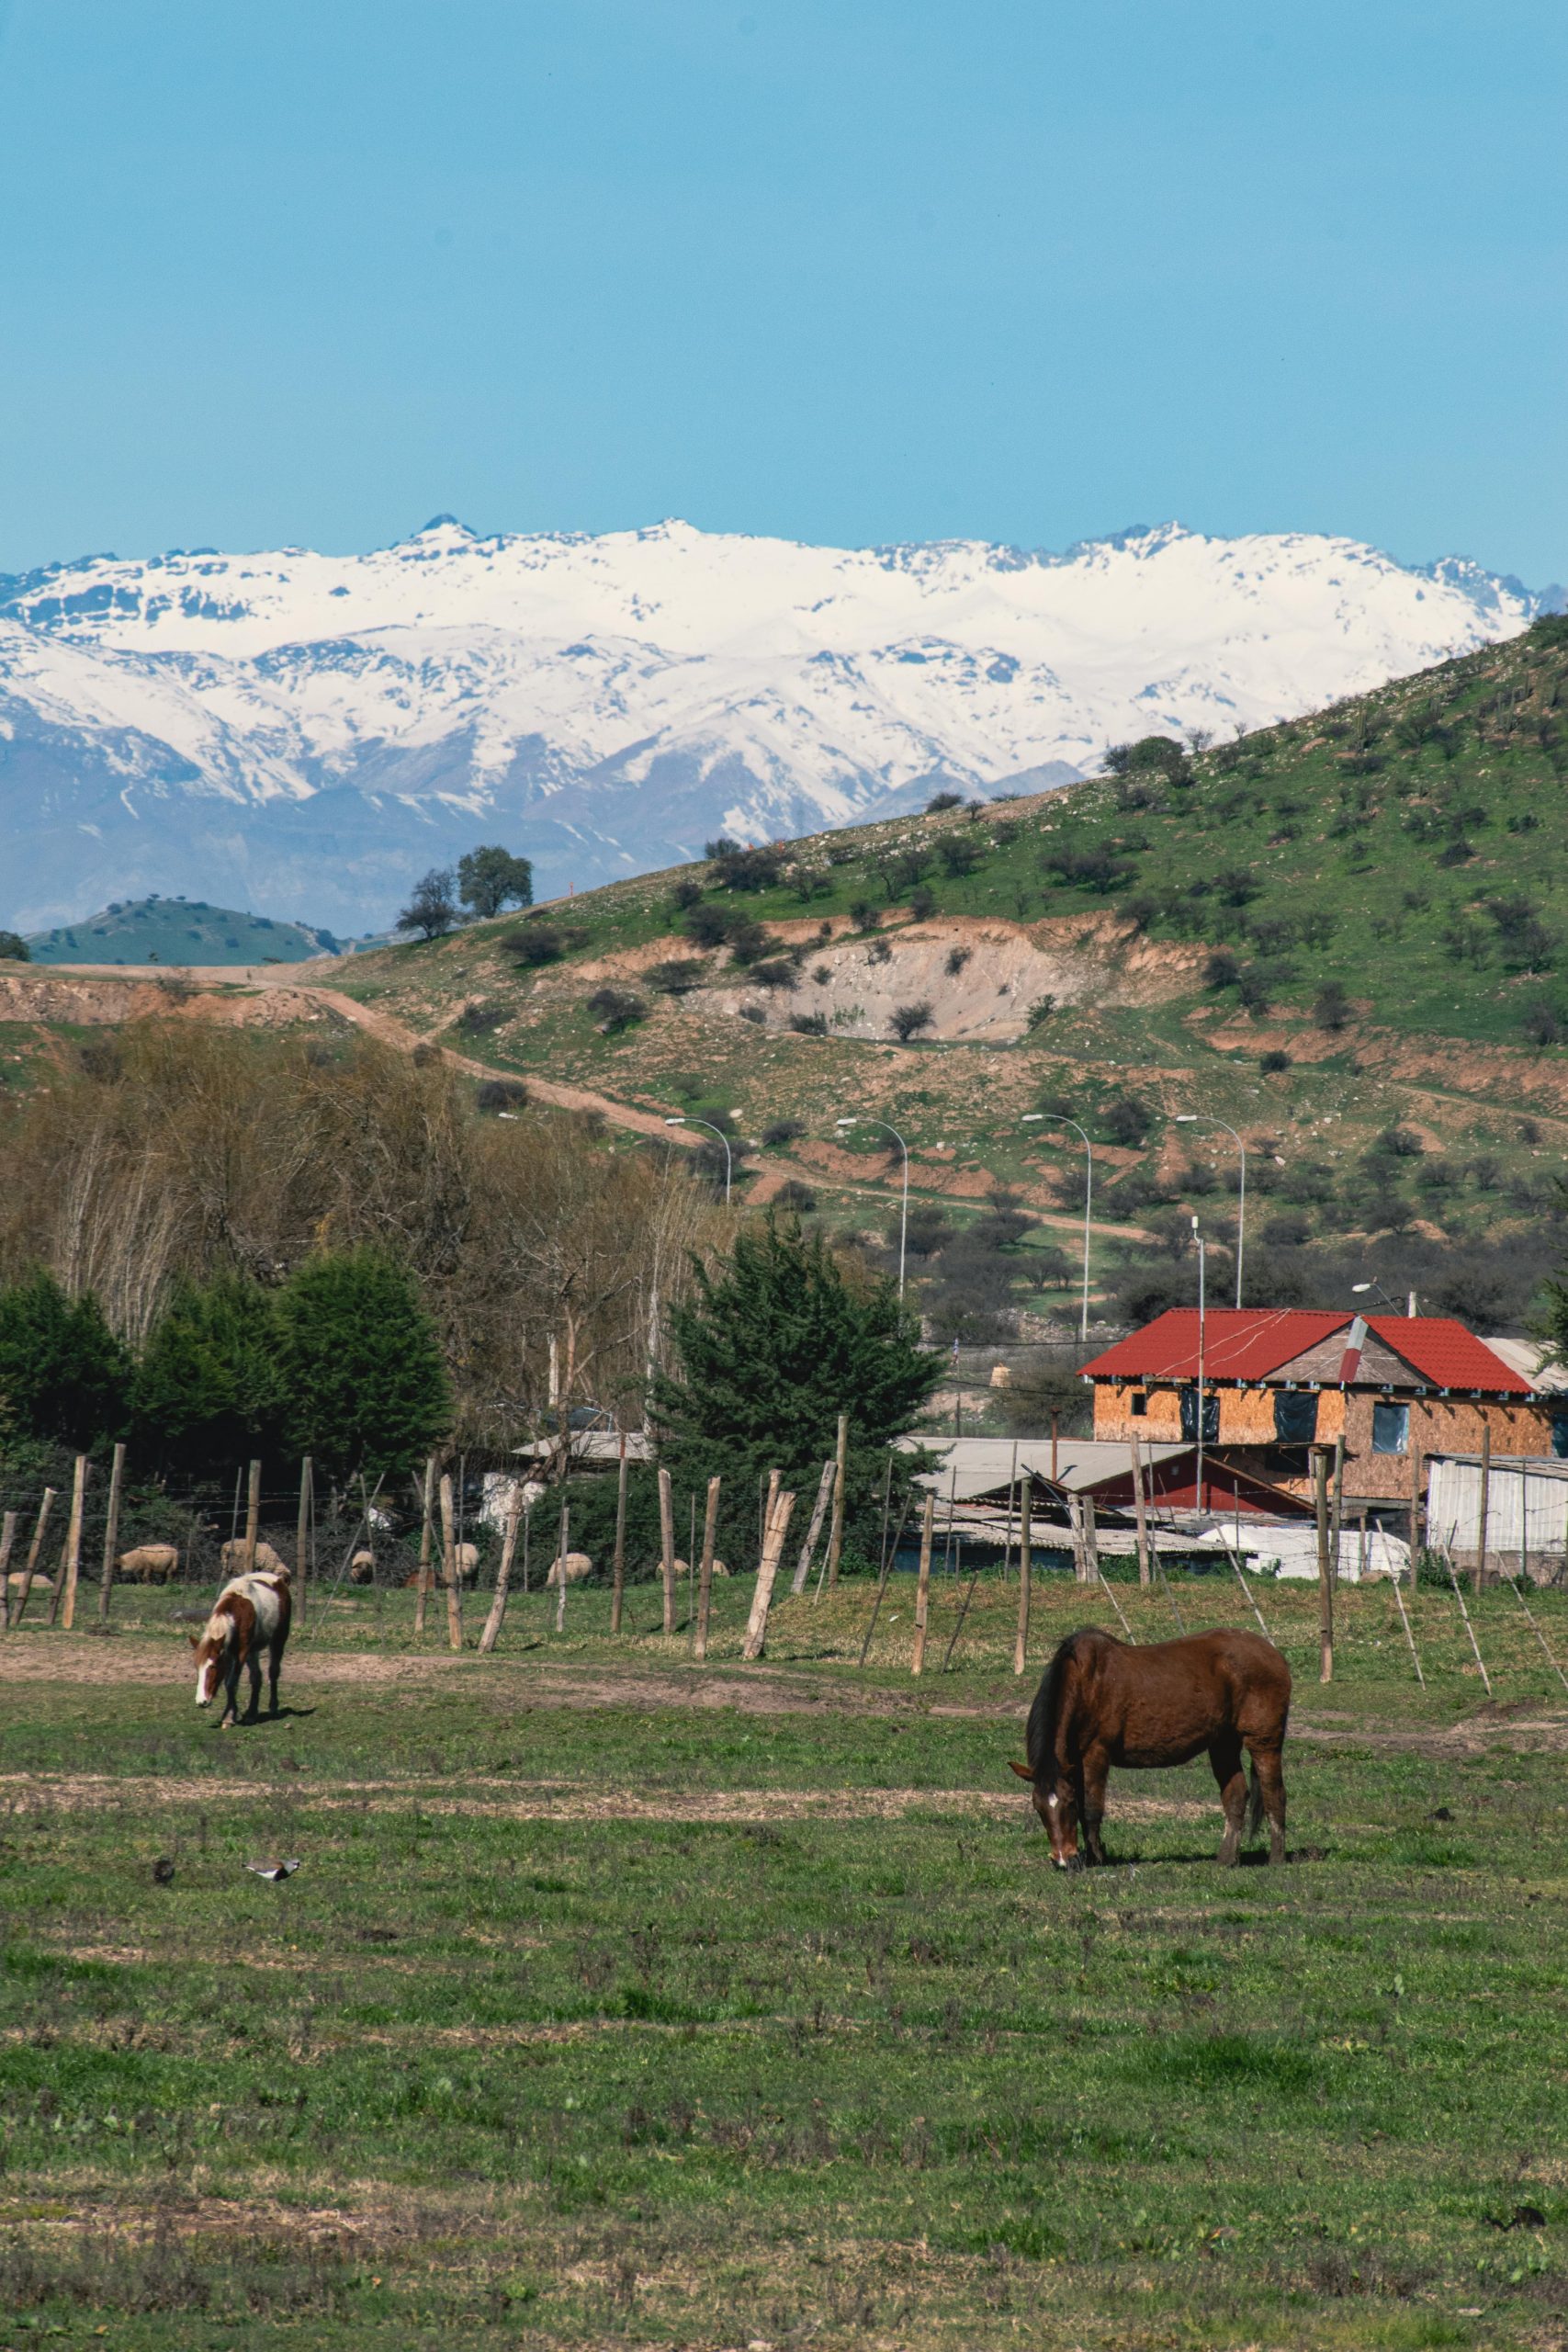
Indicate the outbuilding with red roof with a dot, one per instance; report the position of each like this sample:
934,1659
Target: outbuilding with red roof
1266,1386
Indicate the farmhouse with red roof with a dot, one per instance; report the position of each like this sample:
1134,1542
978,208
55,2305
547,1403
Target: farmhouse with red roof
1276,1381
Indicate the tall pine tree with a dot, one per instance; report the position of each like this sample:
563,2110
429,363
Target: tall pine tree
773,1347
209,1391
367,1386
63,1374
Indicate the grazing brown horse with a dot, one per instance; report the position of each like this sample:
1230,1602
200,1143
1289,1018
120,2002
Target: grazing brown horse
1104,1702
250,1620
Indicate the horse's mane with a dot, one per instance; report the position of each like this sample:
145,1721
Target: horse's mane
1039,1739
1040,1736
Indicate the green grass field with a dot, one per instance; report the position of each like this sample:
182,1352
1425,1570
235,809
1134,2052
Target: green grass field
620,2000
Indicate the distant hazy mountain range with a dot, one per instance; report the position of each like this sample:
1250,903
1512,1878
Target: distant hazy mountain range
307,732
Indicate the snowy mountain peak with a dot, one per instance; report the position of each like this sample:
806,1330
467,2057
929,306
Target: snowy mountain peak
316,728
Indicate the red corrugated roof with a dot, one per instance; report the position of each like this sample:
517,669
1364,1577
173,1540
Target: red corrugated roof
1248,1343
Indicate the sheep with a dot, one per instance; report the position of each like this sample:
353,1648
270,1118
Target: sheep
148,1563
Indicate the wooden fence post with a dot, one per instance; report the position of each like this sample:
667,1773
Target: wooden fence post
560,1565
71,1559
449,1565
1025,1575
1480,1531
704,1579
1090,1542
618,1584
1144,1579
427,1544
111,1532
840,1473
819,1512
302,1530
667,1547
502,1577
923,1586
252,1518
1324,1582
7,1538
767,1569
1336,1508
34,1548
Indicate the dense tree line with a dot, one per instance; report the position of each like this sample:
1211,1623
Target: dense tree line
215,1241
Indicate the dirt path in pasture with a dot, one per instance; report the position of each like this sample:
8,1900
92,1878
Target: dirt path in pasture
90,1661
25,1793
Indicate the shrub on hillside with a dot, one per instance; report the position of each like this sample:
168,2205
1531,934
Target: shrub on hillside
502,1094
677,976
616,1010
532,945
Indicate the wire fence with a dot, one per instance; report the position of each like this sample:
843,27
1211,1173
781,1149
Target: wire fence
352,1560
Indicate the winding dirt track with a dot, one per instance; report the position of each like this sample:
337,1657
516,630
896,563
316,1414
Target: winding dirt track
303,999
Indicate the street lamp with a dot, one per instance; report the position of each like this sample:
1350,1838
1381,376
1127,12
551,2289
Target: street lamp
903,1215
1207,1119
681,1121
1202,1339
1040,1118
1410,1296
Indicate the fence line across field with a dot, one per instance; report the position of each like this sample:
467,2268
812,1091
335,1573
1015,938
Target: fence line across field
98,1503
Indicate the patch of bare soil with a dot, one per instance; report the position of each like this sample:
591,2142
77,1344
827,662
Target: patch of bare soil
90,1662
978,977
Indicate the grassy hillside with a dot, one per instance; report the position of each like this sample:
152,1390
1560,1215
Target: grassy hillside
177,931
1345,937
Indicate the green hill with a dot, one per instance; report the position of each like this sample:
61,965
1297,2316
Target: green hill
177,931
1347,937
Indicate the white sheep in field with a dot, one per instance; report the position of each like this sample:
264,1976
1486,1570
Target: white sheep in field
148,1563
577,1565
231,1559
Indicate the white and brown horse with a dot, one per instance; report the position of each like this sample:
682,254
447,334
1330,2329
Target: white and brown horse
249,1617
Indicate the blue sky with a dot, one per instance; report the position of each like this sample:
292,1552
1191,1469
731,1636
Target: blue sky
851,270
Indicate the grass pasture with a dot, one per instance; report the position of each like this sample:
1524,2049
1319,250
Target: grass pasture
622,2001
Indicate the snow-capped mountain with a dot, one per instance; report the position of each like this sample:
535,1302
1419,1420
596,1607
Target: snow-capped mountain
312,731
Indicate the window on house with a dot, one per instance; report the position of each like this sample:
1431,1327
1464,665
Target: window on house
1391,1429
1560,1433
1138,1403
1190,1416
1295,1416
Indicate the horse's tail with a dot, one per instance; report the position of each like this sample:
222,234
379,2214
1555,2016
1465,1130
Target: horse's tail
1255,1804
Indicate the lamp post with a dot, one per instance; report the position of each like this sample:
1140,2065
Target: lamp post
681,1121
904,1213
1207,1119
1410,1296
1202,1336
1040,1118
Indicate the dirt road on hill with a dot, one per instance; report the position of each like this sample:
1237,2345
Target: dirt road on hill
110,993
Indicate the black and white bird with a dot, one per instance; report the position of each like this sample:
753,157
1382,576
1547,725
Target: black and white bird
274,1869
